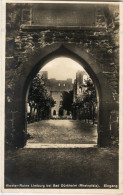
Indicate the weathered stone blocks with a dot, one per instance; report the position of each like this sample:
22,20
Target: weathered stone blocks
101,43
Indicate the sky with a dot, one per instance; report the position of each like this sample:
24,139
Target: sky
62,68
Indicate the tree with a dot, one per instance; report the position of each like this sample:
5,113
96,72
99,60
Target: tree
39,98
89,98
85,104
67,100
90,92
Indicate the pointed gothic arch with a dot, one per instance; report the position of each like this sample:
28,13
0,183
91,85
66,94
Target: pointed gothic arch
32,66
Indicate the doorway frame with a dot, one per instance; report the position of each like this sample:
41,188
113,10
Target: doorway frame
40,58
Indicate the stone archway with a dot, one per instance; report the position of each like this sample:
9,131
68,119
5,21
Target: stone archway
31,67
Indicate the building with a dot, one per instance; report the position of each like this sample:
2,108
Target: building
56,89
79,85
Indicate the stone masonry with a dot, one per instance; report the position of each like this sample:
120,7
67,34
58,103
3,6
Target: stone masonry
56,89
93,37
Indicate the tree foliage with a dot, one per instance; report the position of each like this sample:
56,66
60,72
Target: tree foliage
39,95
67,100
86,102
90,92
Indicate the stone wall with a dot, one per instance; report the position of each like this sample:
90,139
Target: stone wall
100,41
56,89
57,96
59,85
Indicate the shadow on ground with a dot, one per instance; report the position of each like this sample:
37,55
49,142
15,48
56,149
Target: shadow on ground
62,166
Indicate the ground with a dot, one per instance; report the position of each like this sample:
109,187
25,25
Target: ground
90,165
62,132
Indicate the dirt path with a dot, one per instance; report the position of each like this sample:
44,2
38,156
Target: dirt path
62,132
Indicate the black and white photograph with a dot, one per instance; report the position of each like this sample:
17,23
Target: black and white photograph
61,96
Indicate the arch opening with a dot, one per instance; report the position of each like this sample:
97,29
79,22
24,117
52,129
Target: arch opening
38,61
84,112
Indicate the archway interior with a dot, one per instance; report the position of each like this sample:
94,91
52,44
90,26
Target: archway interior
62,105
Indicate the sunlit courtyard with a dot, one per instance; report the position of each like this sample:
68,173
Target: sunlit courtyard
61,132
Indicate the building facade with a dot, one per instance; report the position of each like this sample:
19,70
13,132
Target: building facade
56,88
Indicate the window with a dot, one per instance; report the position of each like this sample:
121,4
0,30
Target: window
59,84
64,84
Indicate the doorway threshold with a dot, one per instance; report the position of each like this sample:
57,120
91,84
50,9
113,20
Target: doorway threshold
42,145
